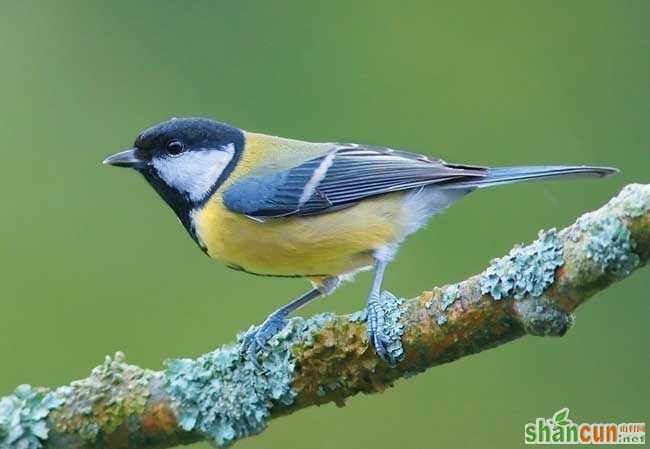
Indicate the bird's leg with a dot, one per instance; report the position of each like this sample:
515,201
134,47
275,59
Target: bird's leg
275,322
376,319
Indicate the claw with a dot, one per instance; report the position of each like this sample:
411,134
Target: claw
251,355
379,345
259,336
376,324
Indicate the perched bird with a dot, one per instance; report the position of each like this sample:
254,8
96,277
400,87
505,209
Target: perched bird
272,206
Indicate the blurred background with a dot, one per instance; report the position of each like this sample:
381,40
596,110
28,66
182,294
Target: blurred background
93,262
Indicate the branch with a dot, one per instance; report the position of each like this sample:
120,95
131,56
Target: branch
221,397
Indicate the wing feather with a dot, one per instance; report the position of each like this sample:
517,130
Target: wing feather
342,177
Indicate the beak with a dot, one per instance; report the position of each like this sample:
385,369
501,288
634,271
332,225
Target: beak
126,158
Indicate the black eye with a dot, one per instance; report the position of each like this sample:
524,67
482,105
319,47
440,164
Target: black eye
175,147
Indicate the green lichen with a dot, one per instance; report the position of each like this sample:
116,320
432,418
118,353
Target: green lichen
23,417
310,327
103,401
542,317
449,295
633,200
606,242
225,397
358,317
526,270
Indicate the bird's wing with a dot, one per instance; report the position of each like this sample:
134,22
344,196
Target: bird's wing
344,175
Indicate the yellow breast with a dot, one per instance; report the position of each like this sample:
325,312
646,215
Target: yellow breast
326,244
318,245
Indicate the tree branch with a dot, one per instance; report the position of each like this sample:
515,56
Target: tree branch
221,397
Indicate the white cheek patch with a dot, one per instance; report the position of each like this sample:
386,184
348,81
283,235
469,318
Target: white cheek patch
194,172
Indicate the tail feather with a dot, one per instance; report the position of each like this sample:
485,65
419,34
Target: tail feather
506,175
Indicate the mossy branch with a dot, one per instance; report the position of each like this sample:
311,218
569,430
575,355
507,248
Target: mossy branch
222,397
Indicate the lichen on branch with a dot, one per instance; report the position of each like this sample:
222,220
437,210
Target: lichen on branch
222,397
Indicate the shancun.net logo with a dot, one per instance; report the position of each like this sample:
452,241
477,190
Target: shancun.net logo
561,430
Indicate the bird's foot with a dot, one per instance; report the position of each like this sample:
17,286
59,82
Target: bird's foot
376,326
257,337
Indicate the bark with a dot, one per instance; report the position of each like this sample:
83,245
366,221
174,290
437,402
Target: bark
220,396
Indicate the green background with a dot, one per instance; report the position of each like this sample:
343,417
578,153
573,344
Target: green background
93,262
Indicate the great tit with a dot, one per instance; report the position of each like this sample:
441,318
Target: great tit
272,206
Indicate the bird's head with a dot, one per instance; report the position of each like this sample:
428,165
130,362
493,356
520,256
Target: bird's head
184,159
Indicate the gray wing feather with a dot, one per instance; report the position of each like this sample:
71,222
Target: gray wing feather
340,178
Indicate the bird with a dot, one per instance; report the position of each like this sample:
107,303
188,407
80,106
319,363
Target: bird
273,206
